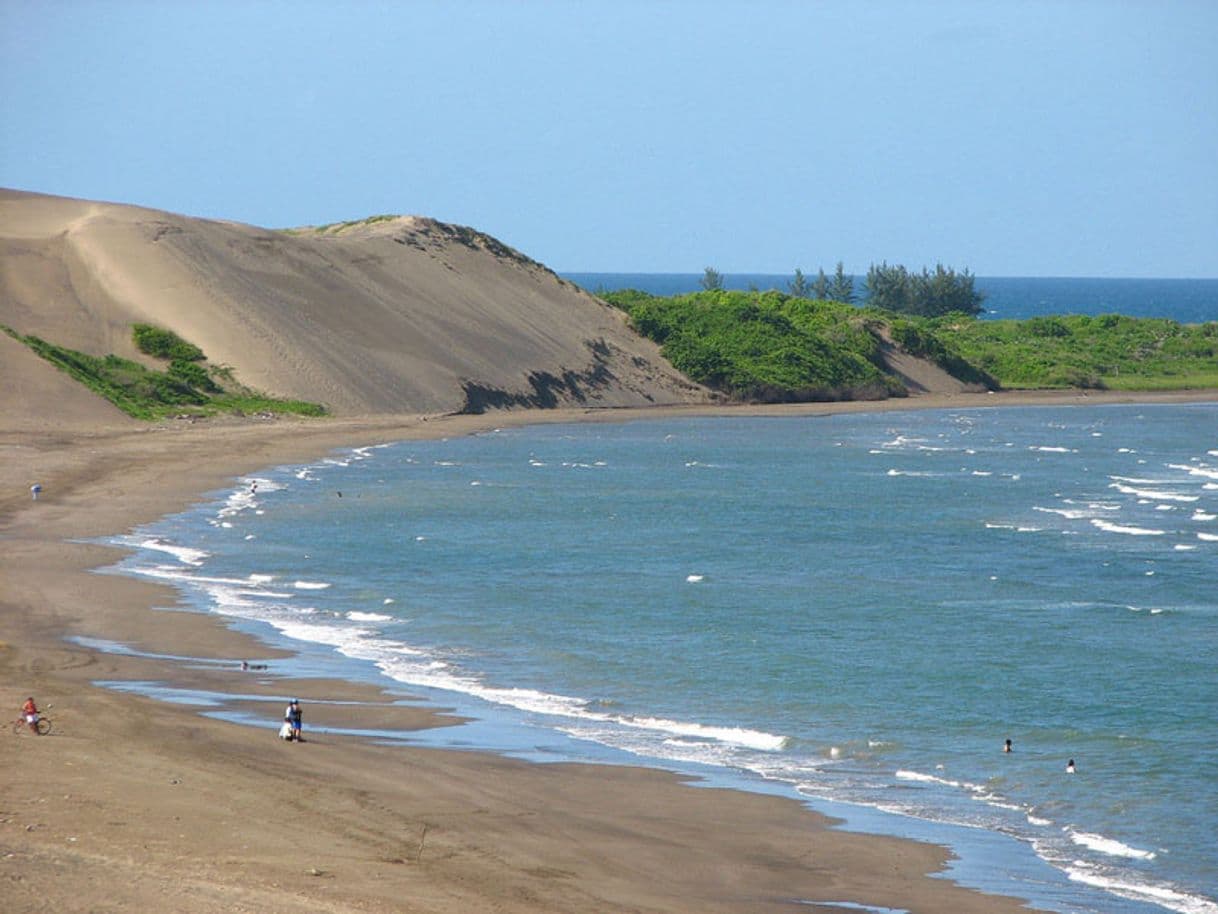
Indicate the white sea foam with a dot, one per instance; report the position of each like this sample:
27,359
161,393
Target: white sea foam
1205,471
1152,494
355,616
1052,449
694,578
905,775
311,585
1071,513
1120,528
1200,515
900,441
1109,846
1037,820
1208,537
412,666
1166,896
1182,547
183,554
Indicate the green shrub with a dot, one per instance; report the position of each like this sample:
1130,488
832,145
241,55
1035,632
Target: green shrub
164,344
147,394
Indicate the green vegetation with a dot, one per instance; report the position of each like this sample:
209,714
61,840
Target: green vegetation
1105,351
840,288
926,294
711,279
764,346
772,347
164,344
185,387
332,228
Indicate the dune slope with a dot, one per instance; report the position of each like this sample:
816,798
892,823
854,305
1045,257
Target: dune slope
389,315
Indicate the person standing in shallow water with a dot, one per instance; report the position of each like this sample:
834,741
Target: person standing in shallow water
1006,746
293,716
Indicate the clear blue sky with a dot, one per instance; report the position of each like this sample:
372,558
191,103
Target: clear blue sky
1013,138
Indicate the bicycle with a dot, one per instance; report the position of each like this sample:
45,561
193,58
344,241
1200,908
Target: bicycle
20,725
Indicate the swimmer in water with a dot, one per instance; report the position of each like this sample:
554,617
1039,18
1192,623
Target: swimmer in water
1070,767
1007,746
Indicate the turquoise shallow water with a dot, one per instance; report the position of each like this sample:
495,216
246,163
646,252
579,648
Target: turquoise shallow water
853,609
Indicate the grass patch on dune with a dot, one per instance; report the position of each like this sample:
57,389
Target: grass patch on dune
334,228
772,347
1109,351
186,386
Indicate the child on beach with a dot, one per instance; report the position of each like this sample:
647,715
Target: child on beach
29,711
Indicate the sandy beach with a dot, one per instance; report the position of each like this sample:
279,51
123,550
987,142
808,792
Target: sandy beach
133,805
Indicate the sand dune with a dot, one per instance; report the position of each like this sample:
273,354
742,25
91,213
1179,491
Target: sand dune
390,315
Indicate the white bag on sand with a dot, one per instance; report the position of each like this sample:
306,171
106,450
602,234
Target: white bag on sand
285,732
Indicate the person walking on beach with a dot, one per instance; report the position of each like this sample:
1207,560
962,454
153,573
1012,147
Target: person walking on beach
293,715
29,711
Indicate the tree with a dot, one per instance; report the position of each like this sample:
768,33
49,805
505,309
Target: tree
712,279
799,285
841,287
820,288
926,294
888,287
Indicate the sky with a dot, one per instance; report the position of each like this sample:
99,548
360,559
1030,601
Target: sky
1063,138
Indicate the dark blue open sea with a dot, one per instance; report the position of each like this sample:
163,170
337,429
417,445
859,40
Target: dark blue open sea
1189,301
855,610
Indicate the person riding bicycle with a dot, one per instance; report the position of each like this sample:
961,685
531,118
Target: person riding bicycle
29,711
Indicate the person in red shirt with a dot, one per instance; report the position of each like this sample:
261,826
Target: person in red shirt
30,710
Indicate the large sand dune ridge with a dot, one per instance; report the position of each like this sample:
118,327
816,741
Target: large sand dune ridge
388,315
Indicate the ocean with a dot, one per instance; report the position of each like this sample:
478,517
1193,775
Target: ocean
854,610
1189,301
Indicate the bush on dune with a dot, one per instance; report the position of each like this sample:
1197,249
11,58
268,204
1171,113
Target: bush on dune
143,393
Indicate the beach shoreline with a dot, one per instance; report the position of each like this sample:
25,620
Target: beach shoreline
130,797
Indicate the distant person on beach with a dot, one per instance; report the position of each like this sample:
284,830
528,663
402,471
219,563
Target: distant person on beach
29,711
1007,746
34,490
1070,767
293,715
